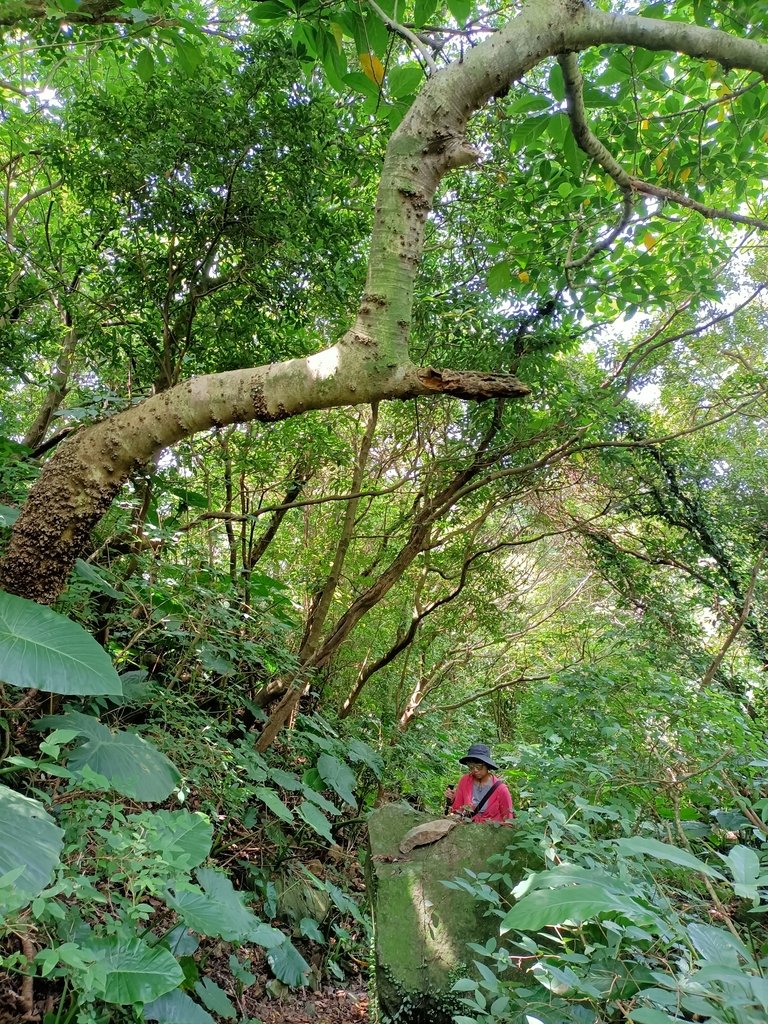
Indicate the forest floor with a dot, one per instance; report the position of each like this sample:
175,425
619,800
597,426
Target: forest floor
328,1006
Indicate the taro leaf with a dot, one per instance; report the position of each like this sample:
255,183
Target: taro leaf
343,902
181,941
576,903
87,572
131,765
288,965
135,972
315,818
217,910
8,515
183,838
177,1008
42,649
319,799
639,846
285,780
718,946
29,838
215,998
744,865
308,928
338,776
273,802
359,751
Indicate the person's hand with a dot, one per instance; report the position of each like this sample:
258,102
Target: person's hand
450,793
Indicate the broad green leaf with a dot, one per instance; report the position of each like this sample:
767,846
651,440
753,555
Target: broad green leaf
404,80
308,928
315,818
29,839
271,10
215,998
460,9
217,910
42,649
718,945
358,751
8,515
344,903
744,864
423,11
647,1015
285,780
319,799
359,83
189,55
176,1008
145,65
136,972
273,802
576,903
338,776
641,847
183,837
499,278
288,965
131,765
87,572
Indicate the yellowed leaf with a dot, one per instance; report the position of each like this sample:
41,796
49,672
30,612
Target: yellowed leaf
524,276
644,125
685,174
659,161
649,241
372,67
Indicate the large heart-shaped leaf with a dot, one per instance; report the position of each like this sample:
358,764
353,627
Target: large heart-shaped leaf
273,802
183,837
136,972
176,1008
29,838
288,965
217,910
215,998
131,765
338,776
40,648
315,818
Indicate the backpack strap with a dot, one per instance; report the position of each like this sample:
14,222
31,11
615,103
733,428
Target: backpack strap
486,798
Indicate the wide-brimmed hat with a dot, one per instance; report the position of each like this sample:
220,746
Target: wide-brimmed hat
479,752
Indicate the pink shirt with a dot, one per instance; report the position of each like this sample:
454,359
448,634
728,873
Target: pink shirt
498,806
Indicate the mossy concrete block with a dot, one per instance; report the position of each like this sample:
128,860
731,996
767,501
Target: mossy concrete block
421,928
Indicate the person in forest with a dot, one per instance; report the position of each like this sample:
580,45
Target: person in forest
479,795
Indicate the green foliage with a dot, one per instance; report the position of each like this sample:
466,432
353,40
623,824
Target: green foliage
40,648
129,764
30,844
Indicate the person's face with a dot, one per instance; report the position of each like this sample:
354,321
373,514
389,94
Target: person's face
478,770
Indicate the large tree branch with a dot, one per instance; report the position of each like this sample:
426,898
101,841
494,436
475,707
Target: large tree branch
371,363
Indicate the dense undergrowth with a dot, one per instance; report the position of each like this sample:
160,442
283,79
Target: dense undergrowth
155,867
648,903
